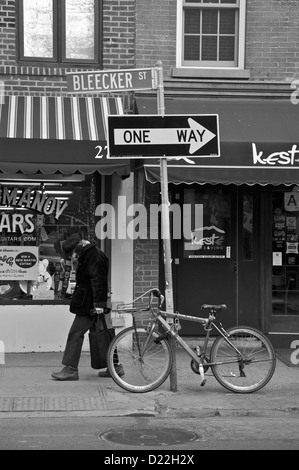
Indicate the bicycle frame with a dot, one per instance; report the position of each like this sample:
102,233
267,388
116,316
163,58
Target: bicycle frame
234,349
207,323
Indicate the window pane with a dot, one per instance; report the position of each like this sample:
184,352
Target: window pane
38,28
210,235
227,48
227,22
285,257
192,21
209,48
209,21
191,49
80,30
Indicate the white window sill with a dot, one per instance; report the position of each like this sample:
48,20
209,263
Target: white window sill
187,72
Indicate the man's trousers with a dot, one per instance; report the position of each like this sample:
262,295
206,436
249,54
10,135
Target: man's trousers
80,326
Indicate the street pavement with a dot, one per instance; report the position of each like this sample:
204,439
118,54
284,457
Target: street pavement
27,389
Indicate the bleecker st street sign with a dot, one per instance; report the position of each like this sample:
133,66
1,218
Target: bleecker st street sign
107,81
163,136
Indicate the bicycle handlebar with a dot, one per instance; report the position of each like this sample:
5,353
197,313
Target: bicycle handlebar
132,307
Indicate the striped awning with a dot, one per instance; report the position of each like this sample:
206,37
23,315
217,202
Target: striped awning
57,134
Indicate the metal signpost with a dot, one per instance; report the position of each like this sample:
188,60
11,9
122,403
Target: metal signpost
166,228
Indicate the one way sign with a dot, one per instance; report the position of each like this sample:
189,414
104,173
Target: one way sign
171,135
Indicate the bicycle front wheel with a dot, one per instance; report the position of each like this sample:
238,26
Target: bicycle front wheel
250,367
140,372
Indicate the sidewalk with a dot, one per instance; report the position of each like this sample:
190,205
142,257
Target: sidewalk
26,389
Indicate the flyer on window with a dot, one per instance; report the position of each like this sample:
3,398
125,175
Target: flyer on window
18,263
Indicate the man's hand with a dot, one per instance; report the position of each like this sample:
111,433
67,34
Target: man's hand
96,311
99,310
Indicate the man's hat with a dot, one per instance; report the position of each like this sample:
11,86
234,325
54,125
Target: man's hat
70,243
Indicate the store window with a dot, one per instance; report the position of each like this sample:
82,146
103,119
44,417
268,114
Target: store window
59,31
285,254
211,33
35,217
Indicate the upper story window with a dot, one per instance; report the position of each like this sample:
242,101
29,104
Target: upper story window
211,33
59,31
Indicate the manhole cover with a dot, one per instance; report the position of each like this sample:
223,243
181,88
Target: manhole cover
150,436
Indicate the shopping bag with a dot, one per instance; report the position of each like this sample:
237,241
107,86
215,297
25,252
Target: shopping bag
99,342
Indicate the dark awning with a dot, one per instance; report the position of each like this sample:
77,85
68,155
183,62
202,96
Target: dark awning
259,142
57,134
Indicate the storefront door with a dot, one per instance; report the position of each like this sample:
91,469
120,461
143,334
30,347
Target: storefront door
219,262
284,311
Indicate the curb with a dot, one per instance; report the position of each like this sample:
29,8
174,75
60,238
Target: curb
224,412
154,412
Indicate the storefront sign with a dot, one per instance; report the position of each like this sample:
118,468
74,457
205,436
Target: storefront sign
29,199
275,158
18,263
207,242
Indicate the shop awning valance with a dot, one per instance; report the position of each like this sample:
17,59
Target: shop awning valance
259,142
57,134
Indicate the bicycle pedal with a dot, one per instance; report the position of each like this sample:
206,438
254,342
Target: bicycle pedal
203,382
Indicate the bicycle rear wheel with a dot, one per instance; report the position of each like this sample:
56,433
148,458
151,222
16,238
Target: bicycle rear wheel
141,374
252,368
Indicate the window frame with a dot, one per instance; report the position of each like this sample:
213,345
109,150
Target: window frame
59,39
240,38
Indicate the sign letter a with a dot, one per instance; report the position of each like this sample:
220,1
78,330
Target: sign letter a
291,201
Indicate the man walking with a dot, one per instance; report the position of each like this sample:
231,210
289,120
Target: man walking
90,293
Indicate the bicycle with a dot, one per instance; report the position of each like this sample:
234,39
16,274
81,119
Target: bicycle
241,358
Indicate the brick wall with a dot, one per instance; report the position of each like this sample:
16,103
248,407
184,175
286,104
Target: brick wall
272,37
146,251
119,33
118,50
156,33
272,40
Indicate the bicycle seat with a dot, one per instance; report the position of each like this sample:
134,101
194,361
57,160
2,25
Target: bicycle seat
215,308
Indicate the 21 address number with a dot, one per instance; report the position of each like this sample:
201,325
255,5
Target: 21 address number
101,151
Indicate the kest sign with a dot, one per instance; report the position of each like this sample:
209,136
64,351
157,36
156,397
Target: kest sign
104,81
171,135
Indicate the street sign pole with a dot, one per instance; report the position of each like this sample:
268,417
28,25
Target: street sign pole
166,226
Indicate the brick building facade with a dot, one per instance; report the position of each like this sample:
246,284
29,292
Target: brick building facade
264,74
138,33
117,50
272,37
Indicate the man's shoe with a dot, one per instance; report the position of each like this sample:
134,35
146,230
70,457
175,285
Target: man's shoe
67,373
106,373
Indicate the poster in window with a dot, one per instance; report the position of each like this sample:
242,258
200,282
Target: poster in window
18,263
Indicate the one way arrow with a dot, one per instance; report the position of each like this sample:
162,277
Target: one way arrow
196,135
